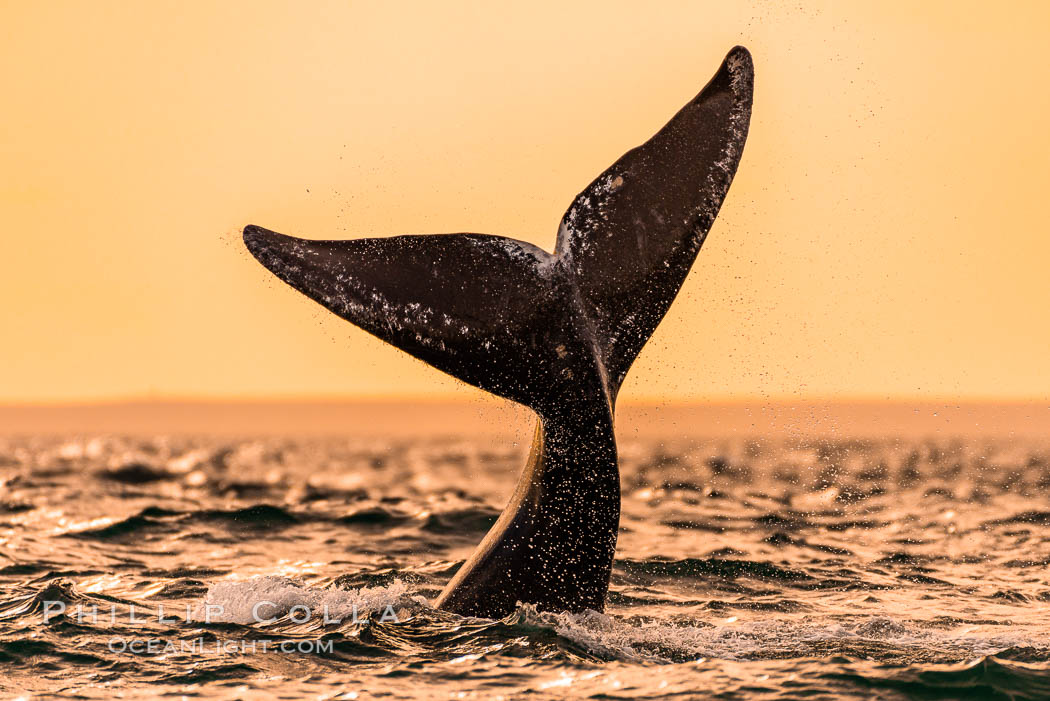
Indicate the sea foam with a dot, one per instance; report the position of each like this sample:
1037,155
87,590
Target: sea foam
264,598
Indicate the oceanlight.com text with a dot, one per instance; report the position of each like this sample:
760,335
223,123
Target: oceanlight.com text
201,646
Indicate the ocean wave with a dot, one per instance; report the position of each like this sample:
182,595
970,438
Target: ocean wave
875,637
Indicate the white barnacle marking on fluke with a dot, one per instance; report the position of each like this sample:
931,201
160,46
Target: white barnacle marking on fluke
719,176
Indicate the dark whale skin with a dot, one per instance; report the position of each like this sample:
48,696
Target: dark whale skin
555,332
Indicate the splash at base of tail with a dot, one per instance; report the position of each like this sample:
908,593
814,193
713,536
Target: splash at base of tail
555,332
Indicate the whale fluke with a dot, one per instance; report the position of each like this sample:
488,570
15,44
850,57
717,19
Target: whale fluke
464,303
555,332
632,235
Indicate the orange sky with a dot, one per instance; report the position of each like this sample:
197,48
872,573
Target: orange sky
885,235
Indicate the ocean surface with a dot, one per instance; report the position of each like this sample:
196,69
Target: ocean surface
747,569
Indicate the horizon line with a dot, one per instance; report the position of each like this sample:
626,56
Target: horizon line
474,396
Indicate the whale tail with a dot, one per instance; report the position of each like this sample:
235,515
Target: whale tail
517,321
